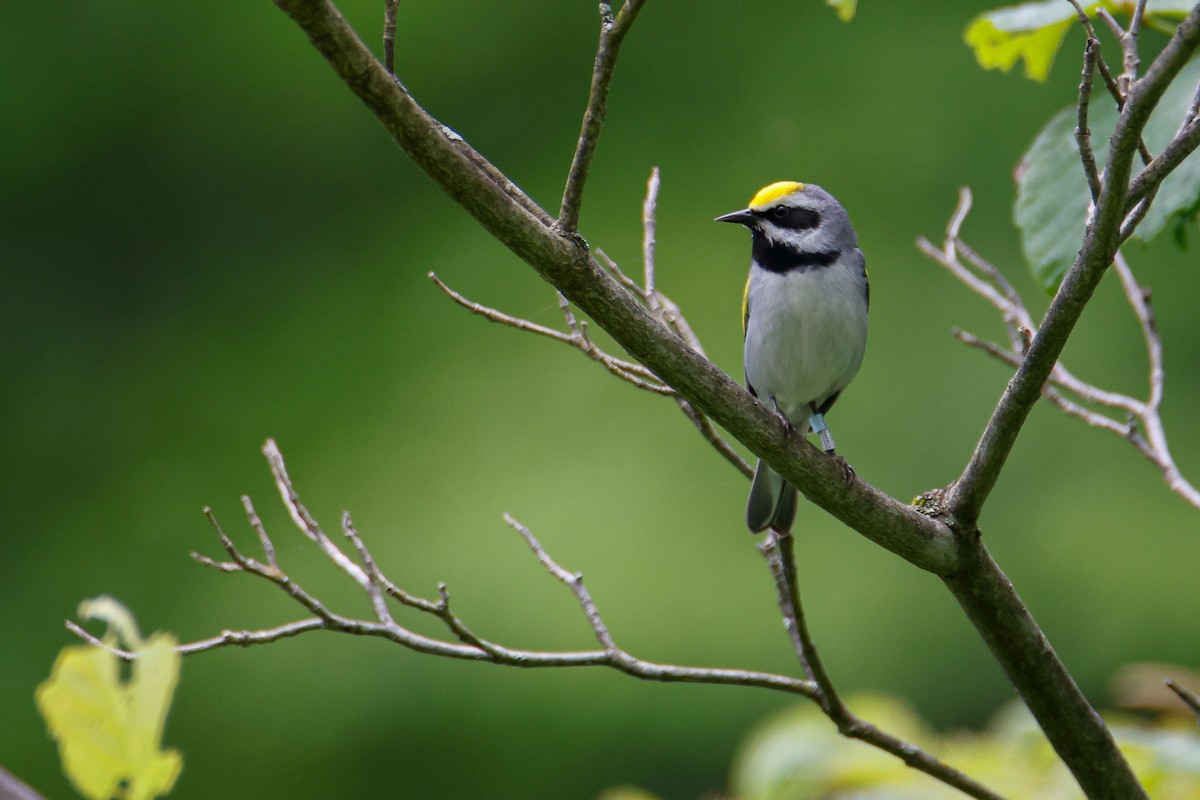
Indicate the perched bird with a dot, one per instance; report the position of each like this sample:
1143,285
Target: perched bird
804,316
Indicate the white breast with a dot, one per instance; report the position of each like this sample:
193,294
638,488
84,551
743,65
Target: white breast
806,335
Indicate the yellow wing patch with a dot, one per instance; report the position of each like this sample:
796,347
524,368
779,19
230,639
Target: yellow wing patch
769,194
745,307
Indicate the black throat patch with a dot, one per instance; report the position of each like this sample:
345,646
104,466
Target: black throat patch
780,258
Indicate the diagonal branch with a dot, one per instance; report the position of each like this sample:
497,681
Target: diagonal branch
1189,698
1138,422
1150,178
967,495
564,261
986,595
612,33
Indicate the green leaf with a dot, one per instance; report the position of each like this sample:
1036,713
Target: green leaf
109,730
1052,195
1033,32
845,8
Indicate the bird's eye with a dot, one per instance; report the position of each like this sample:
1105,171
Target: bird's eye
793,218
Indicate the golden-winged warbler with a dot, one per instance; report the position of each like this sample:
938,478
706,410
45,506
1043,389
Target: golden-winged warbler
804,316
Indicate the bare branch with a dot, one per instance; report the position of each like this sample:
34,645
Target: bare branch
649,237
390,10
986,595
375,585
1110,82
1156,171
1129,41
612,33
711,436
1118,87
1132,413
629,371
573,581
967,495
779,550
469,646
1189,698
304,521
1083,134
267,545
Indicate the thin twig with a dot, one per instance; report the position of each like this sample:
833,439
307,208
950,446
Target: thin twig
459,628
267,545
1110,82
629,371
1083,134
1125,79
1117,86
705,426
390,10
1129,41
1138,422
573,581
304,521
1193,111
1156,171
374,586
656,301
612,33
1189,698
649,238
779,550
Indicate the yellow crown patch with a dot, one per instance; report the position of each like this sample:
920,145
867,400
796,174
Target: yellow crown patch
769,194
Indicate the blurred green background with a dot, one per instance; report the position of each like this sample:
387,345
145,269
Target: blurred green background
206,241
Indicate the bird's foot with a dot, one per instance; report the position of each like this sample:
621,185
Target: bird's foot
848,473
787,423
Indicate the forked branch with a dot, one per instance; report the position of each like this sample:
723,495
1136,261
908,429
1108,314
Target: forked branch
464,643
779,550
1116,215
654,300
1137,421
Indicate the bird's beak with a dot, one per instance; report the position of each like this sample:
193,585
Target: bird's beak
743,217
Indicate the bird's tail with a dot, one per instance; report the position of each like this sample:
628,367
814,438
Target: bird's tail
772,502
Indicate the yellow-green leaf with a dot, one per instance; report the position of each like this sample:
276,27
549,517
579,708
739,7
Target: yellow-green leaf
845,8
109,730
1033,32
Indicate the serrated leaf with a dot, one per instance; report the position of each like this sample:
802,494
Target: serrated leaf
1033,32
845,8
109,731
1052,195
